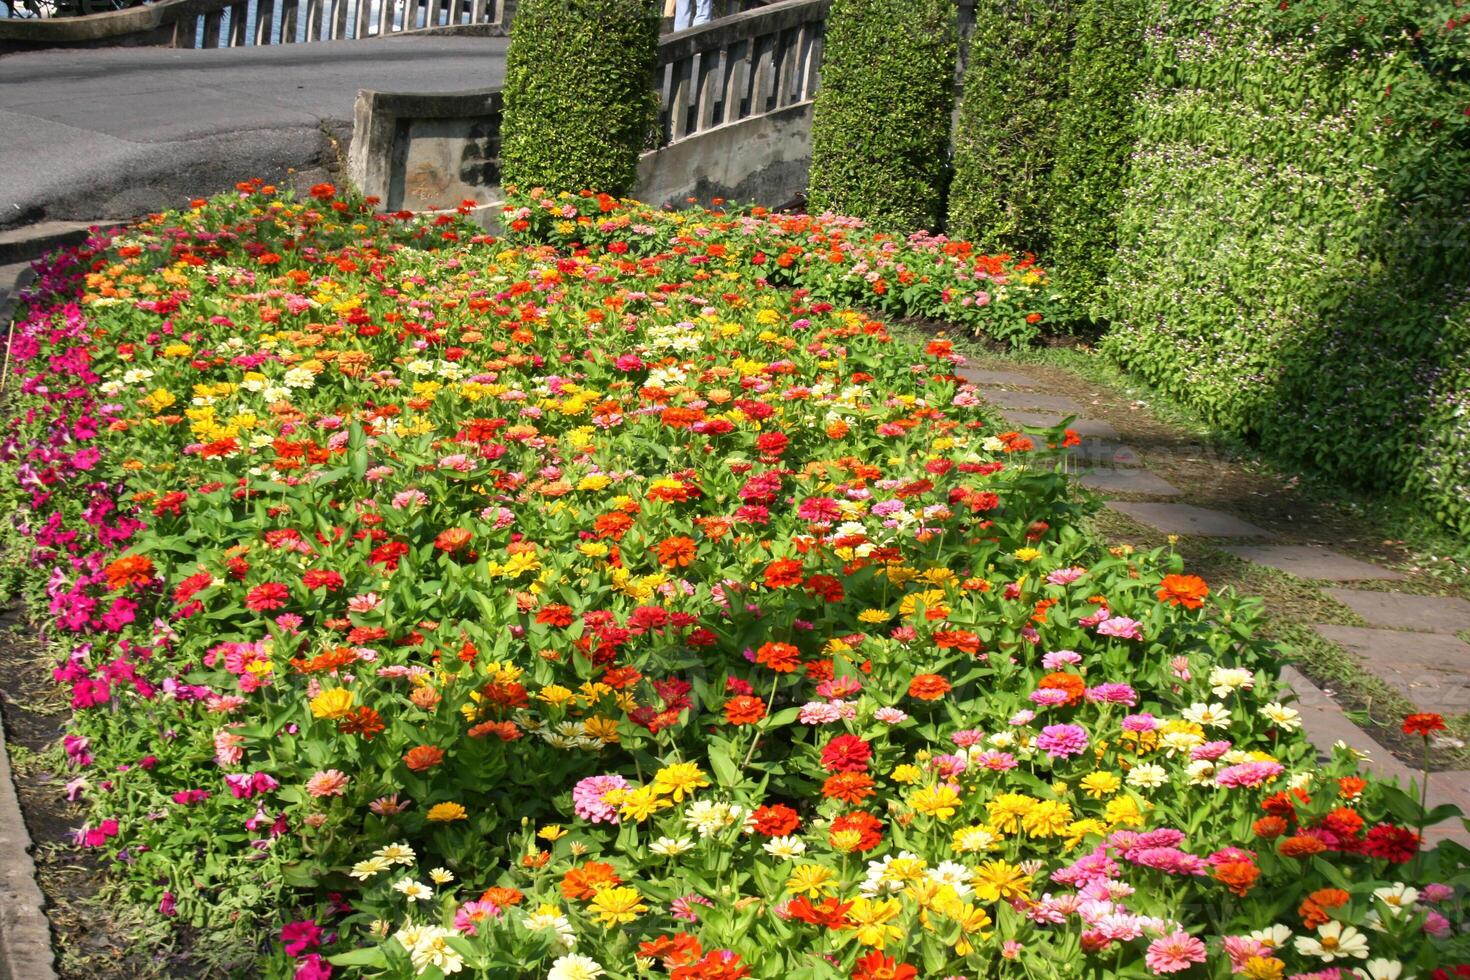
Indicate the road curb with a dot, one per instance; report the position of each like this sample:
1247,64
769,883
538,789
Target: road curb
26,243
25,935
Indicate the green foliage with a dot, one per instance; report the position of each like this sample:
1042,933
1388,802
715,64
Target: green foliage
579,99
1005,143
1094,142
1294,239
880,130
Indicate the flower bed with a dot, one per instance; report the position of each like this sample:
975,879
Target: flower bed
437,604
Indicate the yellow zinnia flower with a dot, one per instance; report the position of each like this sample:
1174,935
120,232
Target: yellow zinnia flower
680,780
936,801
873,918
997,881
617,905
812,880
446,813
332,704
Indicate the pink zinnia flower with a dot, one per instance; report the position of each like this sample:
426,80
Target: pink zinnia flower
1174,953
1058,659
330,782
470,914
1249,774
1065,576
589,798
1112,693
1121,627
1062,740
890,716
683,908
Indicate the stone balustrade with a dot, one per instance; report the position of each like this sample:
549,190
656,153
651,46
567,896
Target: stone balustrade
734,120
246,23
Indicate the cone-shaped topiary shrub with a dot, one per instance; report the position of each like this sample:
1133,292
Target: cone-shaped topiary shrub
880,130
579,98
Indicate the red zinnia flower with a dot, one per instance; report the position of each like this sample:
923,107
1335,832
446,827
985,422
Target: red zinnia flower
783,573
266,596
776,820
322,578
876,966
1423,724
846,753
1394,844
829,913
554,614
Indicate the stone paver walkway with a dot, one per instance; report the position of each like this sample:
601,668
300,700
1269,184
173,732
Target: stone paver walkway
1410,642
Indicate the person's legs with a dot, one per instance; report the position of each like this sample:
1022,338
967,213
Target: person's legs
683,14
702,13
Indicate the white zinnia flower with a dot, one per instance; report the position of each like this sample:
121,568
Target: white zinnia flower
1334,941
574,966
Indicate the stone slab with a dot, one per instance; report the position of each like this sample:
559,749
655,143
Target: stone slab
1312,562
1046,420
1031,400
1189,519
1125,480
1325,725
25,934
1395,610
1104,454
986,376
1430,669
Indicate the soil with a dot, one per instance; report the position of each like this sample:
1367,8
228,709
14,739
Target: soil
92,941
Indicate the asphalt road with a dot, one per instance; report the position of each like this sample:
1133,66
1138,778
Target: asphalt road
116,132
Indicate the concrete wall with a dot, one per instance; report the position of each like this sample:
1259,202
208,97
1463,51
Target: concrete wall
429,153
761,160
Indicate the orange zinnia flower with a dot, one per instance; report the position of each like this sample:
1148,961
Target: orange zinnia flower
1314,910
452,540
583,881
1269,828
1238,876
1073,686
849,787
1301,845
129,570
423,757
783,658
928,687
1188,591
676,552
744,710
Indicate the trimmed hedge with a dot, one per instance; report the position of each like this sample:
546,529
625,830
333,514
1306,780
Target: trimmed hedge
1293,242
1005,142
579,97
1095,134
880,128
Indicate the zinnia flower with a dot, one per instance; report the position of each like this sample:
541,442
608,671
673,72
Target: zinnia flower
1174,953
331,782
